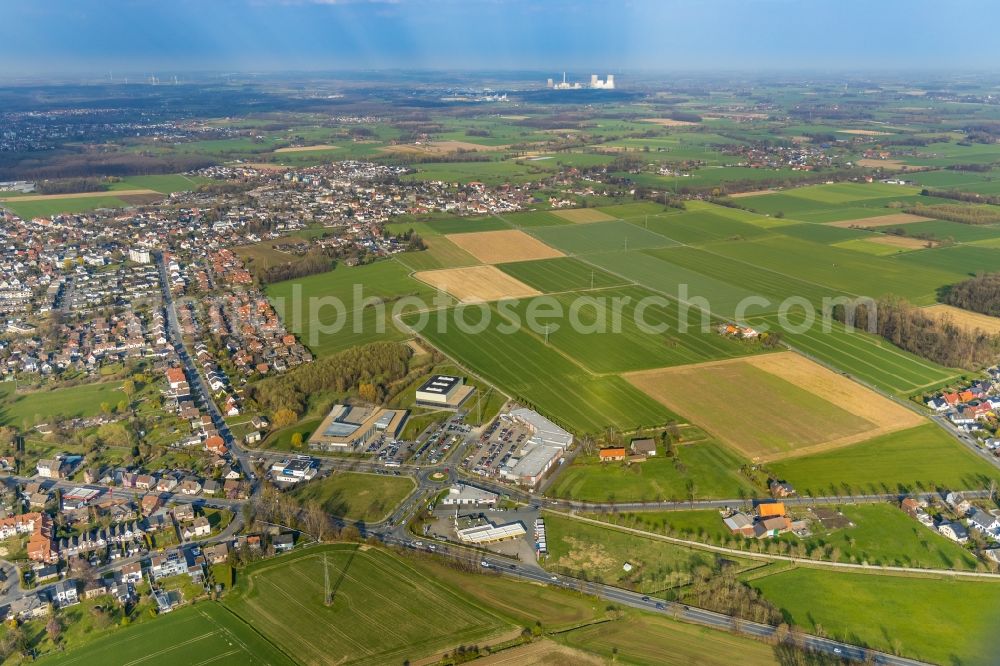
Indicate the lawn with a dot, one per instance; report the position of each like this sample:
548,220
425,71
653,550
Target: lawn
194,634
924,457
592,552
27,409
702,469
356,496
384,611
348,307
893,614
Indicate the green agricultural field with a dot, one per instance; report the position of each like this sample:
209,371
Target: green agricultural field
588,551
28,409
440,253
841,193
867,357
835,270
702,292
490,173
893,614
821,233
165,184
632,211
588,324
190,635
536,218
961,261
308,306
868,247
380,614
355,496
560,274
50,207
925,457
600,237
943,229
651,640
696,227
770,280
702,470
542,377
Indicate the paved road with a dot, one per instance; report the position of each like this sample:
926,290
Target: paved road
529,572
202,395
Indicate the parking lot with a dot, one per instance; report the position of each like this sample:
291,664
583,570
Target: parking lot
496,446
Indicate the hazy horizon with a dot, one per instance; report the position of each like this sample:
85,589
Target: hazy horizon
265,36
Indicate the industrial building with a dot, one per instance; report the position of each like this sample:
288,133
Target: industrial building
478,530
443,391
348,427
595,83
461,495
543,449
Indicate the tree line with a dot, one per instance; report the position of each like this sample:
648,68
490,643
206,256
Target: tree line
979,294
937,339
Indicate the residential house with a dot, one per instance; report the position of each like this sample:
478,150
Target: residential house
954,531
65,594
31,606
217,554
183,513
780,488
163,565
283,542
644,447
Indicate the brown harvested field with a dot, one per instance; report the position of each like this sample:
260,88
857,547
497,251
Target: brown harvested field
863,132
668,122
882,164
880,221
584,215
83,195
541,653
501,247
439,147
476,284
266,166
751,193
965,318
304,149
902,242
788,405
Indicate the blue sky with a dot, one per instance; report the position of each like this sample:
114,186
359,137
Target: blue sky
81,36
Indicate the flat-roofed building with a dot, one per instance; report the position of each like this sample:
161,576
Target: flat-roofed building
293,471
461,494
348,427
481,531
445,391
542,450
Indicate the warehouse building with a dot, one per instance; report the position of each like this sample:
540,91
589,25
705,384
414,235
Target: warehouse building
540,452
479,531
444,391
461,495
348,427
